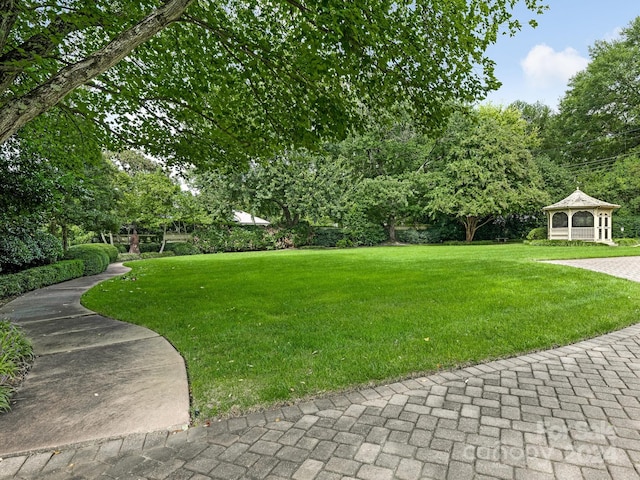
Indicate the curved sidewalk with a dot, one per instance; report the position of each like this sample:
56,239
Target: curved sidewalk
93,377
567,413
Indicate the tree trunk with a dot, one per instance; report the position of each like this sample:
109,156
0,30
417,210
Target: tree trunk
65,236
287,216
164,239
472,224
16,113
391,228
470,227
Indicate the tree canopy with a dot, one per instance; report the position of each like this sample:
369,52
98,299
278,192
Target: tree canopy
209,81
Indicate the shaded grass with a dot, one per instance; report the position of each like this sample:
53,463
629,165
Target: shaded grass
259,328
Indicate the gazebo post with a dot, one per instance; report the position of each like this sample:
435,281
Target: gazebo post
570,224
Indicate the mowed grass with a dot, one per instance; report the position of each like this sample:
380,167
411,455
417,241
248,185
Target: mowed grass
262,328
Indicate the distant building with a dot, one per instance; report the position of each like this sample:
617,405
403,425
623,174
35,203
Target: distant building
581,217
244,218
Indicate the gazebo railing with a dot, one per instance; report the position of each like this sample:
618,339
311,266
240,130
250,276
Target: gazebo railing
582,233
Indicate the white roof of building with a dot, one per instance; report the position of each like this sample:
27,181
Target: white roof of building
244,218
579,199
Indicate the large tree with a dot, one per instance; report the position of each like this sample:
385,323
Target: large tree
599,118
222,80
387,200
482,167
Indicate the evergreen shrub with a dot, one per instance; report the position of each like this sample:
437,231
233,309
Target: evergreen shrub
95,258
110,250
627,242
539,233
181,248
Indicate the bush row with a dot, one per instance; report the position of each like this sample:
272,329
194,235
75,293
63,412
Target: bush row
80,260
33,278
249,238
564,243
127,257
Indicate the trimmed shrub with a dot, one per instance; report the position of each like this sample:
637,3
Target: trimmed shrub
463,242
181,248
16,356
95,258
146,255
627,242
128,257
38,277
564,243
110,250
345,243
539,233
146,247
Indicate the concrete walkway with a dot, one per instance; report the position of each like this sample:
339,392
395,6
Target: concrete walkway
93,378
567,413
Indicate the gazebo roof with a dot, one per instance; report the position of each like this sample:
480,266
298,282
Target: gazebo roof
244,218
579,199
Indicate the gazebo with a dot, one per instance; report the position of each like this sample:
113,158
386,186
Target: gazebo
580,217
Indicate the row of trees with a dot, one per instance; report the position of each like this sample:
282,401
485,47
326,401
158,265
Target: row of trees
487,165
483,165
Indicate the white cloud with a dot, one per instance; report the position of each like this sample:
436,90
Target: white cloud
545,68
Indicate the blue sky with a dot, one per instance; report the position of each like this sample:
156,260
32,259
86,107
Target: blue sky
536,64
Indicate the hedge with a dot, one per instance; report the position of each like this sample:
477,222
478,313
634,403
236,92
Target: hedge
110,250
539,233
38,277
94,255
181,248
128,257
564,243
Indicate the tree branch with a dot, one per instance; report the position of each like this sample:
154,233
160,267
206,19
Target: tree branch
8,15
42,44
18,112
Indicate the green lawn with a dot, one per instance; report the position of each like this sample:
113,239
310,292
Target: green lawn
259,328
